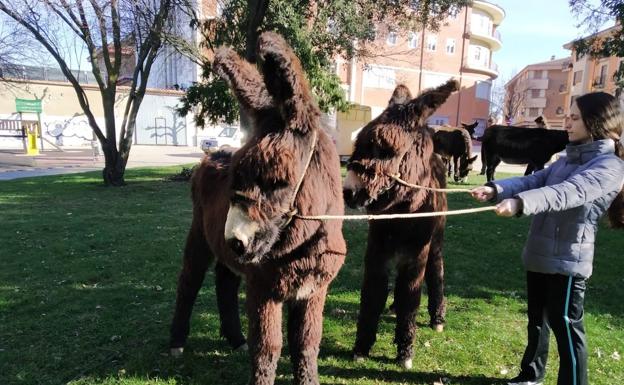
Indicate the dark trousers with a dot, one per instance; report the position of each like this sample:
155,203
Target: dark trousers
555,302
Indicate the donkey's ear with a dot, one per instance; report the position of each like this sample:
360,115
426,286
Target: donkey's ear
286,82
471,160
430,100
243,78
401,95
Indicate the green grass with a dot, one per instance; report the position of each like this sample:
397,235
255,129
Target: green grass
88,275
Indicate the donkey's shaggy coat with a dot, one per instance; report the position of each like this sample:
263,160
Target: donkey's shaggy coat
400,142
243,215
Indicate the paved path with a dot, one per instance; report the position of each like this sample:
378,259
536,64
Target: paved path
14,164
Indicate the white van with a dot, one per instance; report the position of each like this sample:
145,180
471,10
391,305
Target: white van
228,137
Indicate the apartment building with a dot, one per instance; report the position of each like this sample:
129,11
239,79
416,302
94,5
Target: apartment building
588,74
538,90
461,49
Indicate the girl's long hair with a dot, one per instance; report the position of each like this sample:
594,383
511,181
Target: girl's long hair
603,118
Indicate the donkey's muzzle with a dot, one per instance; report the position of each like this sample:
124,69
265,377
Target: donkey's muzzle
237,246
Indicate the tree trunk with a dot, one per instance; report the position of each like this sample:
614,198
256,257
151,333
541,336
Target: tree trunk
114,165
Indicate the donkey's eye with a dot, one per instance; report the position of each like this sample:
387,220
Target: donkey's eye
382,152
242,198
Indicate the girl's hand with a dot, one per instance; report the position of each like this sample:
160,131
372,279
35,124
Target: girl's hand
509,207
482,193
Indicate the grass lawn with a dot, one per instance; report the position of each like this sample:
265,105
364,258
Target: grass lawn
88,278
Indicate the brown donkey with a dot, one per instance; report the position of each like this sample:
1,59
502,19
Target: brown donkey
400,142
243,214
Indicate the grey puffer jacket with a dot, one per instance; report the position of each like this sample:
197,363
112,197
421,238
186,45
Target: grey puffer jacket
568,199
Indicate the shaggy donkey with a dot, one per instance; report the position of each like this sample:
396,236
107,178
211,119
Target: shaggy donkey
399,141
243,214
454,145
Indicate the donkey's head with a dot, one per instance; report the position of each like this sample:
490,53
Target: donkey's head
465,167
267,172
398,142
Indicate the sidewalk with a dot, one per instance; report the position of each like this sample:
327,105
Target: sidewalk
14,164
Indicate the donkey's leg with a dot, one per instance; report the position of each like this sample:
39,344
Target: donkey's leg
434,276
530,168
407,294
226,286
197,257
305,328
265,335
483,160
456,163
493,162
373,297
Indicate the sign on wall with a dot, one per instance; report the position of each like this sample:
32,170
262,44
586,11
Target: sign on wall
28,105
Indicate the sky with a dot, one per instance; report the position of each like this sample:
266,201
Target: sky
533,31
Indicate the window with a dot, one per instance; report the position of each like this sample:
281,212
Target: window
578,76
450,46
438,120
477,53
431,80
392,38
533,111
480,23
535,93
432,40
482,90
379,77
603,75
412,40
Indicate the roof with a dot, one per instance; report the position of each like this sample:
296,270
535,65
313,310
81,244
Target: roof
569,45
550,64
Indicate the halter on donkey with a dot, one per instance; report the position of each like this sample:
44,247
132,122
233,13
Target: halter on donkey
244,216
399,142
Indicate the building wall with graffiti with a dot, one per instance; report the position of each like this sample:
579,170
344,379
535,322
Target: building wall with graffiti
63,123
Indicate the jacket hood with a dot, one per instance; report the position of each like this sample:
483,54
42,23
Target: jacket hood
582,153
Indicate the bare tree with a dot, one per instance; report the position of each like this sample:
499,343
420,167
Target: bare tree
515,95
104,28
497,98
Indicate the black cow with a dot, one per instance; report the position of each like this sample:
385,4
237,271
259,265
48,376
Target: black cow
454,145
517,145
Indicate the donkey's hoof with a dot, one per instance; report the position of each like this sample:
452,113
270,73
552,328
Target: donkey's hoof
438,327
243,348
358,357
176,352
407,363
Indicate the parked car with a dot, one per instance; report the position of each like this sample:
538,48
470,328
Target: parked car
229,137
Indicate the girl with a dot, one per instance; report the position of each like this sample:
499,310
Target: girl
567,198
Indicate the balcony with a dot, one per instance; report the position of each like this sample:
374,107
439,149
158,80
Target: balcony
474,66
563,88
599,82
497,13
535,103
485,36
537,84
566,65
